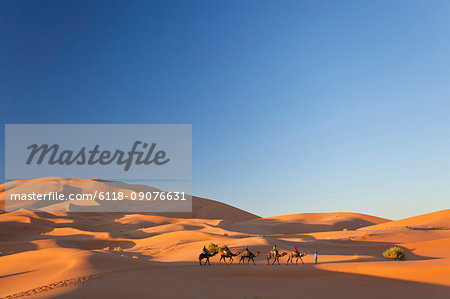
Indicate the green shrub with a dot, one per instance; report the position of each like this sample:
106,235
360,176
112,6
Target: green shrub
213,248
395,253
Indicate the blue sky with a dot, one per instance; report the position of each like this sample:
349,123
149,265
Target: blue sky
296,106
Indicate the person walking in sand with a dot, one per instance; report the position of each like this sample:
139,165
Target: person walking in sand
315,256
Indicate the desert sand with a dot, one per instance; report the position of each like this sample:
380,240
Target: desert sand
142,255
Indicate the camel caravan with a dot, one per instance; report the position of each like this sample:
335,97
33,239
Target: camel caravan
246,256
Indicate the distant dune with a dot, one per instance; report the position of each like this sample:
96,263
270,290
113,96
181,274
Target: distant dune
326,221
117,255
201,207
435,220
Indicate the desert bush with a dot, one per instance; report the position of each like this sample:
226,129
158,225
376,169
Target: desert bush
395,253
213,248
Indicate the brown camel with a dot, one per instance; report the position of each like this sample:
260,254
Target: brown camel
248,255
228,254
297,255
204,256
276,258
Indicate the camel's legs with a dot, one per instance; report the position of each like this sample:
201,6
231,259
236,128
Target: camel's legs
253,261
200,261
302,261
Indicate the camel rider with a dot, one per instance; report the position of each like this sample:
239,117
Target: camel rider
246,250
227,250
296,250
275,250
205,251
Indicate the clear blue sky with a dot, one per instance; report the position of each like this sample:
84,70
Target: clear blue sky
296,106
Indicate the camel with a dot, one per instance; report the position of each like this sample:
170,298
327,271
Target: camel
248,255
204,256
228,254
276,258
297,255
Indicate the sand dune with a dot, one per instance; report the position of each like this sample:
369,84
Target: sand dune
201,207
329,218
80,254
436,220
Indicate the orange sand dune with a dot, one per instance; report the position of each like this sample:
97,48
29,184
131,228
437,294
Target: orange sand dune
201,207
436,220
303,223
141,255
328,218
325,221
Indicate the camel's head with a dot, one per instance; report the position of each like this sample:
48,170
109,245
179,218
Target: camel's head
283,253
257,253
